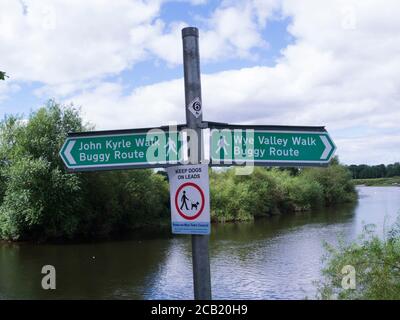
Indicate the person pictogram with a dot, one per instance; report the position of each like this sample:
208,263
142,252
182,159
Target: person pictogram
184,198
171,146
222,144
189,201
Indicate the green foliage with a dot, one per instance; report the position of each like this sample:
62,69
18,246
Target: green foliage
335,182
122,200
303,193
40,200
243,197
363,171
274,191
377,267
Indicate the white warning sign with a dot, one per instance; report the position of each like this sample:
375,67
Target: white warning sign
190,200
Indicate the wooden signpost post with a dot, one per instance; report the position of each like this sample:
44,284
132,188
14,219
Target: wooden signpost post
181,150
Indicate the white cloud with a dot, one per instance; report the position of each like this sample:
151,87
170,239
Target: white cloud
342,71
163,45
235,29
370,149
155,105
68,44
59,42
6,88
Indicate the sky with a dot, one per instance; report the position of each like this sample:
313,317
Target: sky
332,63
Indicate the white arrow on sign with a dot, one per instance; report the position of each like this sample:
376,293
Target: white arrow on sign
67,152
328,147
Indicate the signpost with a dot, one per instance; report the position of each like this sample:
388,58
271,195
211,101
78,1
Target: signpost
175,148
122,150
194,117
280,146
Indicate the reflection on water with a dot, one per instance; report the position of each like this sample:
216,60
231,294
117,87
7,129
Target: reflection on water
274,258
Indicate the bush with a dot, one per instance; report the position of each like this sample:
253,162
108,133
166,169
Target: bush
335,181
303,193
118,201
377,267
275,191
229,200
40,200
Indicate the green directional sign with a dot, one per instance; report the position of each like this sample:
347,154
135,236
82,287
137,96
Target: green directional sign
152,148
270,147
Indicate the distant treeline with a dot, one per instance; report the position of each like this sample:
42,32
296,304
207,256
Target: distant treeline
39,200
363,171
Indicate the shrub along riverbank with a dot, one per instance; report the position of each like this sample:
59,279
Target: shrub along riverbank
39,200
368,268
273,191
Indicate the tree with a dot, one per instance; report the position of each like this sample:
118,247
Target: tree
40,200
363,171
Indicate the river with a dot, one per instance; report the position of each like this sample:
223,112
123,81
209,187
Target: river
274,258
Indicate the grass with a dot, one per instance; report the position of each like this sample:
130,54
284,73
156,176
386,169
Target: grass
378,182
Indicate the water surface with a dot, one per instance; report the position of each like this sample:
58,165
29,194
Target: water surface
274,258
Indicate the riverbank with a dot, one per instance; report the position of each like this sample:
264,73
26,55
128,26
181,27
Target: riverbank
383,182
268,192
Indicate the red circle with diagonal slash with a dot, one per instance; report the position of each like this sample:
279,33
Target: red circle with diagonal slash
189,184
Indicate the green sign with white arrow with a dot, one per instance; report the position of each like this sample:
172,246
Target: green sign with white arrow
152,148
270,147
